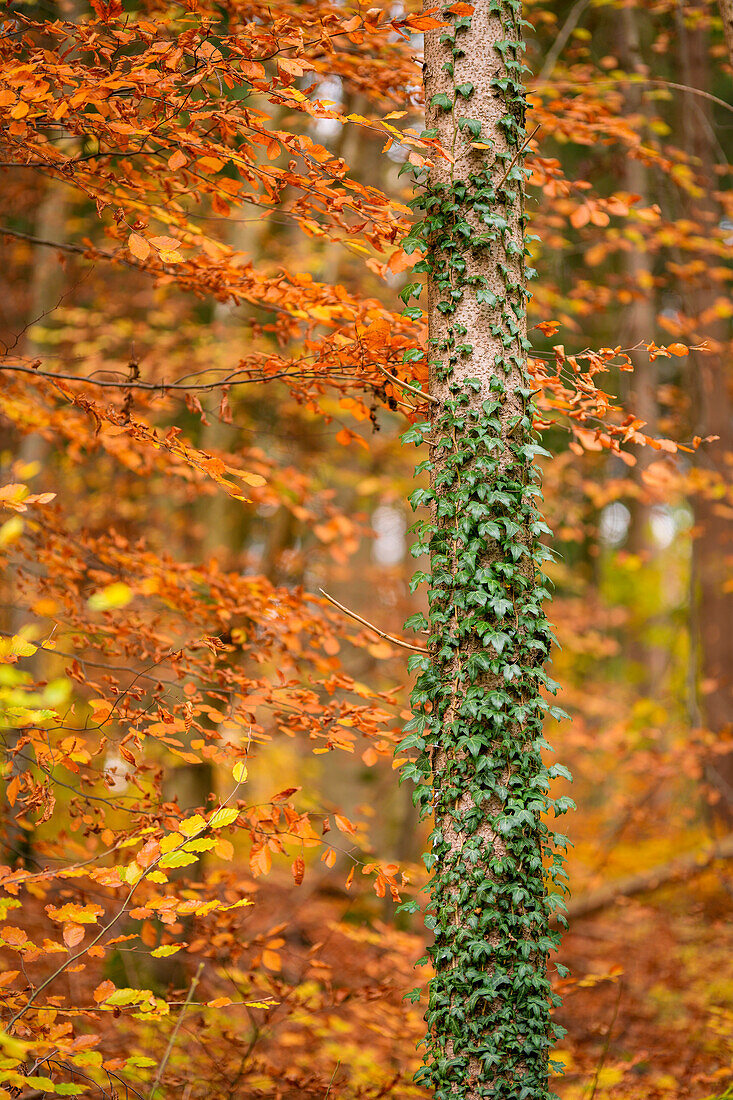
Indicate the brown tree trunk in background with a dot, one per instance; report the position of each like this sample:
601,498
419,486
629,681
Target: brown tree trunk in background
712,563
47,286
639,318
726,14
639,324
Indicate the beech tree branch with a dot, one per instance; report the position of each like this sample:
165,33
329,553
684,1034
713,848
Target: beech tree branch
406,385
370,626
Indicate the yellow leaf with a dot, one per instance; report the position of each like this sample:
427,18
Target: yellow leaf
223,816
239,771
203,844
167,949
11,531
12,648
177,859
192,825
210,164
109,598
128,997
257,480
81,914
224,848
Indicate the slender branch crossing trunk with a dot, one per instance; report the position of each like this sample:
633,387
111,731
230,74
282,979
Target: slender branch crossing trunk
477,702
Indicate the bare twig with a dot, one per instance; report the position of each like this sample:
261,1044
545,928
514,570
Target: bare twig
333,1078
371,626
559,44
236,378
607,1042
406,385
516,157
611,80
174,1033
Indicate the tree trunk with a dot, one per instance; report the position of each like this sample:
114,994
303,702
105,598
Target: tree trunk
712,592
478,711
45,292
638,323
726,14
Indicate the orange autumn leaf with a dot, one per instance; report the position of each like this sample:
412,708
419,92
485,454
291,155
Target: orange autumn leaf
272,960
260,861
138,246
177,160
344,824
73,934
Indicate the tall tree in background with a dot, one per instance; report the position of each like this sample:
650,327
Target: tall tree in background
712,595
478,705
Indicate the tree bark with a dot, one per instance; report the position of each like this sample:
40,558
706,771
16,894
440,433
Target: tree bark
478,710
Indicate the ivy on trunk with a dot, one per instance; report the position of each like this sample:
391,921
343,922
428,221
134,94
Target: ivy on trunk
480,698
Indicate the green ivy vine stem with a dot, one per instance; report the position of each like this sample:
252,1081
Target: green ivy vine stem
479,703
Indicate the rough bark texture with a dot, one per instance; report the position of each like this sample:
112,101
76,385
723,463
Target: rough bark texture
478,700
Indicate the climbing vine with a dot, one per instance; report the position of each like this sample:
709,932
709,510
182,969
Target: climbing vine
479,701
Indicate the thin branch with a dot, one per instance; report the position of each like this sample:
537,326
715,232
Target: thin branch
559,44
176,1029
607,1042
80,249
644,882
611,80
406,385
371,626
234,379
516,157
